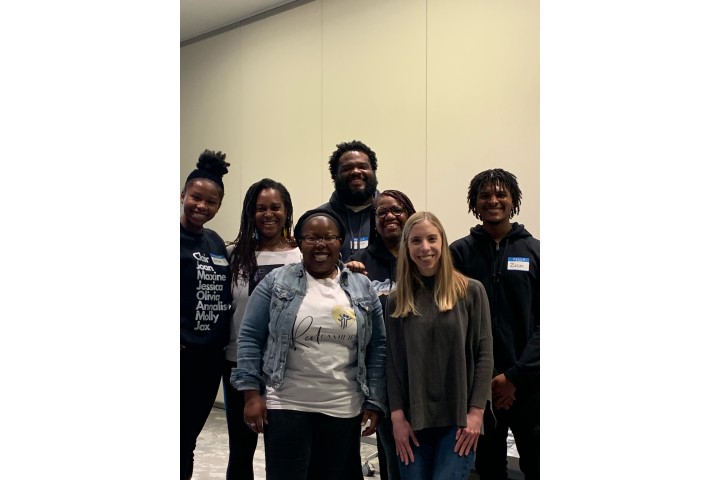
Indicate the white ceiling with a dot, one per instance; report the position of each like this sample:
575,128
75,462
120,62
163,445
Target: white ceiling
202,16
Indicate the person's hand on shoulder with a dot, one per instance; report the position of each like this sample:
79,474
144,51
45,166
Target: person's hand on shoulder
357,267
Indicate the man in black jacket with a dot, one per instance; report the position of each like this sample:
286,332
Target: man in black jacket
352,167
506,259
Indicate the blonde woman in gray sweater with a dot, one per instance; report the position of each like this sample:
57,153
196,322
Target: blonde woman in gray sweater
439,356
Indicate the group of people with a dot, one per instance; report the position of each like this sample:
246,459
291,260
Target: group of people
360,318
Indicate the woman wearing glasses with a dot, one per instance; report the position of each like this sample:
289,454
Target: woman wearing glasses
379,261
311,357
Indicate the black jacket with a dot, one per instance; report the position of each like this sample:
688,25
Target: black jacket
514,296
381,266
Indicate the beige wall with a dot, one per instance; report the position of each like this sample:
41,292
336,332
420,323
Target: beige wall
440,89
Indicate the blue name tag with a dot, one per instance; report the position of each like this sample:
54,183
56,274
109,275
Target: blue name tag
519,263
218,260
358,243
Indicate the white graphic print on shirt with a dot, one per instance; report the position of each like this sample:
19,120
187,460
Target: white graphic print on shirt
321,370
209,291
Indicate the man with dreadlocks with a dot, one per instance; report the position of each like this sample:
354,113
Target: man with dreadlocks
506,259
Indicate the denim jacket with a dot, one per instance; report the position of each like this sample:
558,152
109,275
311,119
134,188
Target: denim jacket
266,332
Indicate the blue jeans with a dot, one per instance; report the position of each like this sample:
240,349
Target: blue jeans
313,446
435,459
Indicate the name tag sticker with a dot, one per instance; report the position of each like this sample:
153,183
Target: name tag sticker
519,263
218,260
358,243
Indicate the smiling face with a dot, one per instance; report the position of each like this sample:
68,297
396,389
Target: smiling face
355,179
494,204
201,200
320,259
270,214
424,246
389,225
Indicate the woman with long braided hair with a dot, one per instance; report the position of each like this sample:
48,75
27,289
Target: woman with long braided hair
263,243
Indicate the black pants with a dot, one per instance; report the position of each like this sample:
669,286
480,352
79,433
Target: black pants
310,446
387,458
243,441
200,374
524,420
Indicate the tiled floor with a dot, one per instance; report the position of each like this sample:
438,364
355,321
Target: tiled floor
211,452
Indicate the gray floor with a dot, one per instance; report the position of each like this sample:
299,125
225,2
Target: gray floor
211,452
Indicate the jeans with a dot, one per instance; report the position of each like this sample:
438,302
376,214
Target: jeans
524,420
242,440
435,458
309,446
200,374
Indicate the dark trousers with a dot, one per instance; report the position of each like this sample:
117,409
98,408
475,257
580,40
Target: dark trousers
523,418
310,446
200,374
387,458
353,467
242,440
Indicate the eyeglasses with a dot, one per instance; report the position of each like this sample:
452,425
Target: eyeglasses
313,239
396,210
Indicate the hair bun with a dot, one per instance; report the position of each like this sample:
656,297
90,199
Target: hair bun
213,162
210,165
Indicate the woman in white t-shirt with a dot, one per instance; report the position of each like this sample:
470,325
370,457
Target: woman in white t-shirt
263,244
311,358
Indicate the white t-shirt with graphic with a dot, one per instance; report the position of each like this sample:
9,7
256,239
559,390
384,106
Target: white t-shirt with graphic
322,361
266,262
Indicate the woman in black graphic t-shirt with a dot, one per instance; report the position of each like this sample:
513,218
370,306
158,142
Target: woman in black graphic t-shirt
205,301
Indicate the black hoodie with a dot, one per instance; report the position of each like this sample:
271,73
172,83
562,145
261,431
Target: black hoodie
514,296
359,226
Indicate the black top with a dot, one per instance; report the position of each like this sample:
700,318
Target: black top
359,226
510,272
205,290
380,265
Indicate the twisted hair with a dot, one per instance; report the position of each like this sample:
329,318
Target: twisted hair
450,285
212,166
495,176
356,145
243,261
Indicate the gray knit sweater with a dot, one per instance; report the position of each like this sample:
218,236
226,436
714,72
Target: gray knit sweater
440,364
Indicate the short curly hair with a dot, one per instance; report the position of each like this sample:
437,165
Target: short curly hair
344,147
496,176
